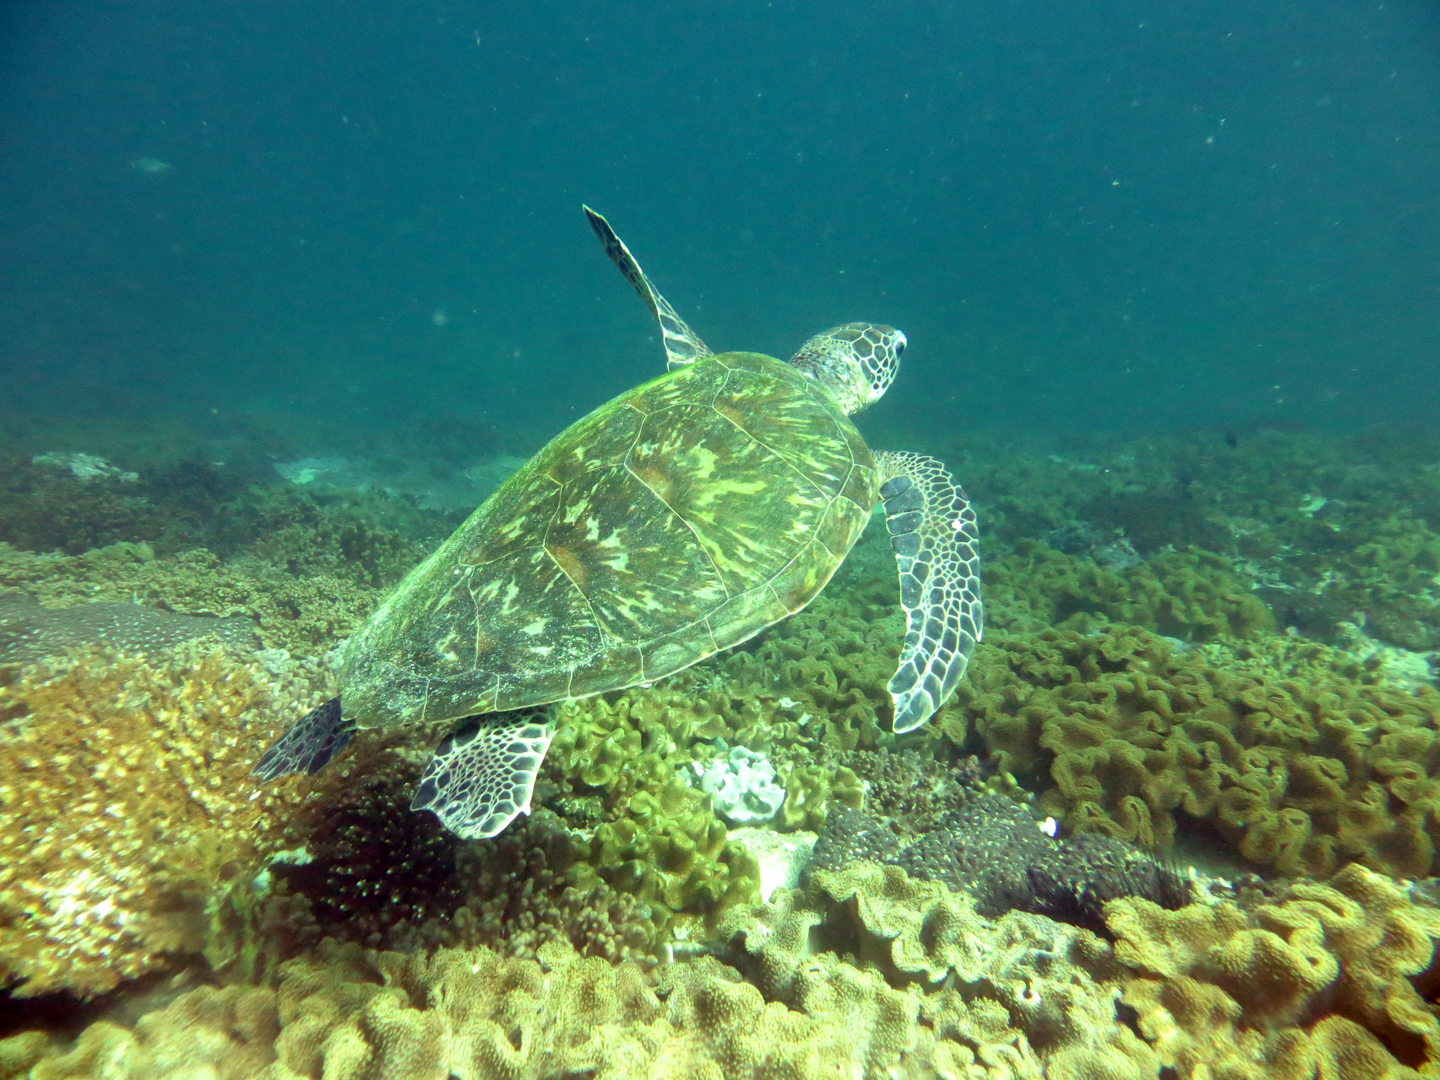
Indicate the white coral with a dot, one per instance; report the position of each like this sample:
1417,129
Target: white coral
85,467
744,786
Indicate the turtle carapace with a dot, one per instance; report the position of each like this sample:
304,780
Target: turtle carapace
679,519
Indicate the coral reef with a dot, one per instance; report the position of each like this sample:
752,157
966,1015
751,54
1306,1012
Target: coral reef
851,836
1316,982
743,786
865,973
127,820
47,506
30,632
1131,679
994,851
44,506
1188,595
1301,770
304,615
227,1034
475,1014
633,754
986,849
347,1014
1023,993
912,791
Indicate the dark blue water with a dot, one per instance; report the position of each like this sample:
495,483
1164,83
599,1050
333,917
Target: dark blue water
1111,214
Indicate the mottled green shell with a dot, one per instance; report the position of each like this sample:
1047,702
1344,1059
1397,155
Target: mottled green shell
677,520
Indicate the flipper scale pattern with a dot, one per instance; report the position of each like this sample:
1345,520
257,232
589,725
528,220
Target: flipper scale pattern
937,552
483,773
308,745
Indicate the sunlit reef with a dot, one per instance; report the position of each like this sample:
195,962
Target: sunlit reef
1178,819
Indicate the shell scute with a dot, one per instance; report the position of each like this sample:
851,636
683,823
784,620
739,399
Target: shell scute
804,576
683,386
792,420
632,557
861,487
510,520
842,520
742,502
599,441
530,619
740,616
620,661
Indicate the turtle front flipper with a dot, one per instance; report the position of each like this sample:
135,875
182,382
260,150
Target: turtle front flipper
308,745
937,550
483,774
682,345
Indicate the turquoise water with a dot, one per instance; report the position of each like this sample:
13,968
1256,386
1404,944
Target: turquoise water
287,290
1130,215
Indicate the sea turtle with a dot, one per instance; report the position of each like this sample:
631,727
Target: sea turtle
677,520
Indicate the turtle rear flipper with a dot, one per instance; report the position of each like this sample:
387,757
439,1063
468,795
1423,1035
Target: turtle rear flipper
308,745
483,774
937,551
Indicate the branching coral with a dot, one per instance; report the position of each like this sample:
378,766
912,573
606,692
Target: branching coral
126,812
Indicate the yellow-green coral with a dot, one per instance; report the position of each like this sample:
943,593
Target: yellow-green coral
659,839
345,1014
833,661
1322,974
1191,595
866,974
1022,993
1300,773
218,1034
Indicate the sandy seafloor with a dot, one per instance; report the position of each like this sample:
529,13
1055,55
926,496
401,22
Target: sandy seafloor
1215,650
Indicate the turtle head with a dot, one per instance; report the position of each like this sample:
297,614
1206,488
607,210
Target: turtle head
855,362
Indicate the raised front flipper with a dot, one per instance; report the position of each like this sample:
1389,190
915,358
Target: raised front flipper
483,774
937,550
682,345
308,745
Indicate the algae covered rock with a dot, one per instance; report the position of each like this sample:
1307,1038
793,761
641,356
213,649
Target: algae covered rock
304,614
30,631
993,851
